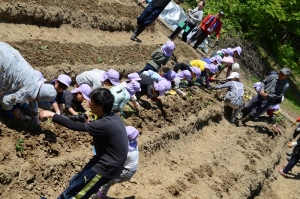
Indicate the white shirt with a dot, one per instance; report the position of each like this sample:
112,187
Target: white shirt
132,160
90,77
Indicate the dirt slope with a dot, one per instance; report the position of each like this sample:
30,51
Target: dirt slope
187,149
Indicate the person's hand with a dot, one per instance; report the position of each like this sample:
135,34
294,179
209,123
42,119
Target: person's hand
46,114
291,144
35,120
189,10
17,114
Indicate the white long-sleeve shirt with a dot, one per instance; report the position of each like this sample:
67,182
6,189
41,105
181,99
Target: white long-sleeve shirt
90,77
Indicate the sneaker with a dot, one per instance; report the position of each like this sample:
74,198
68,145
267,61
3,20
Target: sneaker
281,172
155,99
133,37
289,153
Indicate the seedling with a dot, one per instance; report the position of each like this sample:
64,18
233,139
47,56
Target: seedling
19,145
100,59
44,47
111,61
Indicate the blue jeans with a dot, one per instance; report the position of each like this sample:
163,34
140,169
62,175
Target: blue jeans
146,68
149,15
8,114
84,184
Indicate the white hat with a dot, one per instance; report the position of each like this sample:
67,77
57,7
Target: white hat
235,67
233,75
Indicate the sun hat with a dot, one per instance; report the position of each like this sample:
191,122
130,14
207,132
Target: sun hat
238,49
168,48
196,71
257,86
65,79
233,75
112,75
212,68
40,75
84,89
133,87
273,73
235,67
286,71
47,93
170,75
217,58
162,86
228,60
134,76
185,74
132,134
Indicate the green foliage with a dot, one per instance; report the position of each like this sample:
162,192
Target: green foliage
19,145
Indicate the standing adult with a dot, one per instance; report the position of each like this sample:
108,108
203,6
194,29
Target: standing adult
194,17
151,12
211,23
271,90
110,142
19,84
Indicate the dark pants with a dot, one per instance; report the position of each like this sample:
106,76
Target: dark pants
293,161
184,35
149,15
146,86
146,68
84,184
200,36
257,106
182,67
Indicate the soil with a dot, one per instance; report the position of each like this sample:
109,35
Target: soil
188,149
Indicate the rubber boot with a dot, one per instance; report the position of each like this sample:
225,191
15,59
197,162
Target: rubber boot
244,120
136,33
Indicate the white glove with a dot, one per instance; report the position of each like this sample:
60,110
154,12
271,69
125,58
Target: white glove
35,120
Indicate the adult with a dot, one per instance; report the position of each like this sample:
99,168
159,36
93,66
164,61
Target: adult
110,143
19,84
233,99
150,13
159,57
272,90
96,78
193,19
211,23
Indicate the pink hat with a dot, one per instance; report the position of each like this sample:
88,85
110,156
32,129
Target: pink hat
257,86
196,71
216,58
84,89
132,134
170,75
228,60
186,74
168,48
112,75
40,75
65,79
134,76
133,87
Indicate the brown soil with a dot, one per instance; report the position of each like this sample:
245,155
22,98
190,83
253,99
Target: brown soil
187,148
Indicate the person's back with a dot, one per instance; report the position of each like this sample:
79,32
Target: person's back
91,77
235,92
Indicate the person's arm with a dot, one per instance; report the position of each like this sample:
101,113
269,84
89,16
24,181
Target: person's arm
263,83
72,111
76,126
226,85
68,98
56,108
280,94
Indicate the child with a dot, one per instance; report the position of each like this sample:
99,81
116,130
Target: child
122,94
170,75
154,75
131,77
227,61
232,52
96,78
182,75
130,165
73,99
234,96
159,57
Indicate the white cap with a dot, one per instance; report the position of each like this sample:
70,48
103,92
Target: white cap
233,75
235,67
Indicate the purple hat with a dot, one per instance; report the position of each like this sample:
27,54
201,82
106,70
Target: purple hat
170,75
238,49
65,79
273,73
212,68
186,74
216,58
275,107
40,75
168,48
85,91
133,87
134,76
162,86
257,86
228,51
196,71
132,134
112,75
